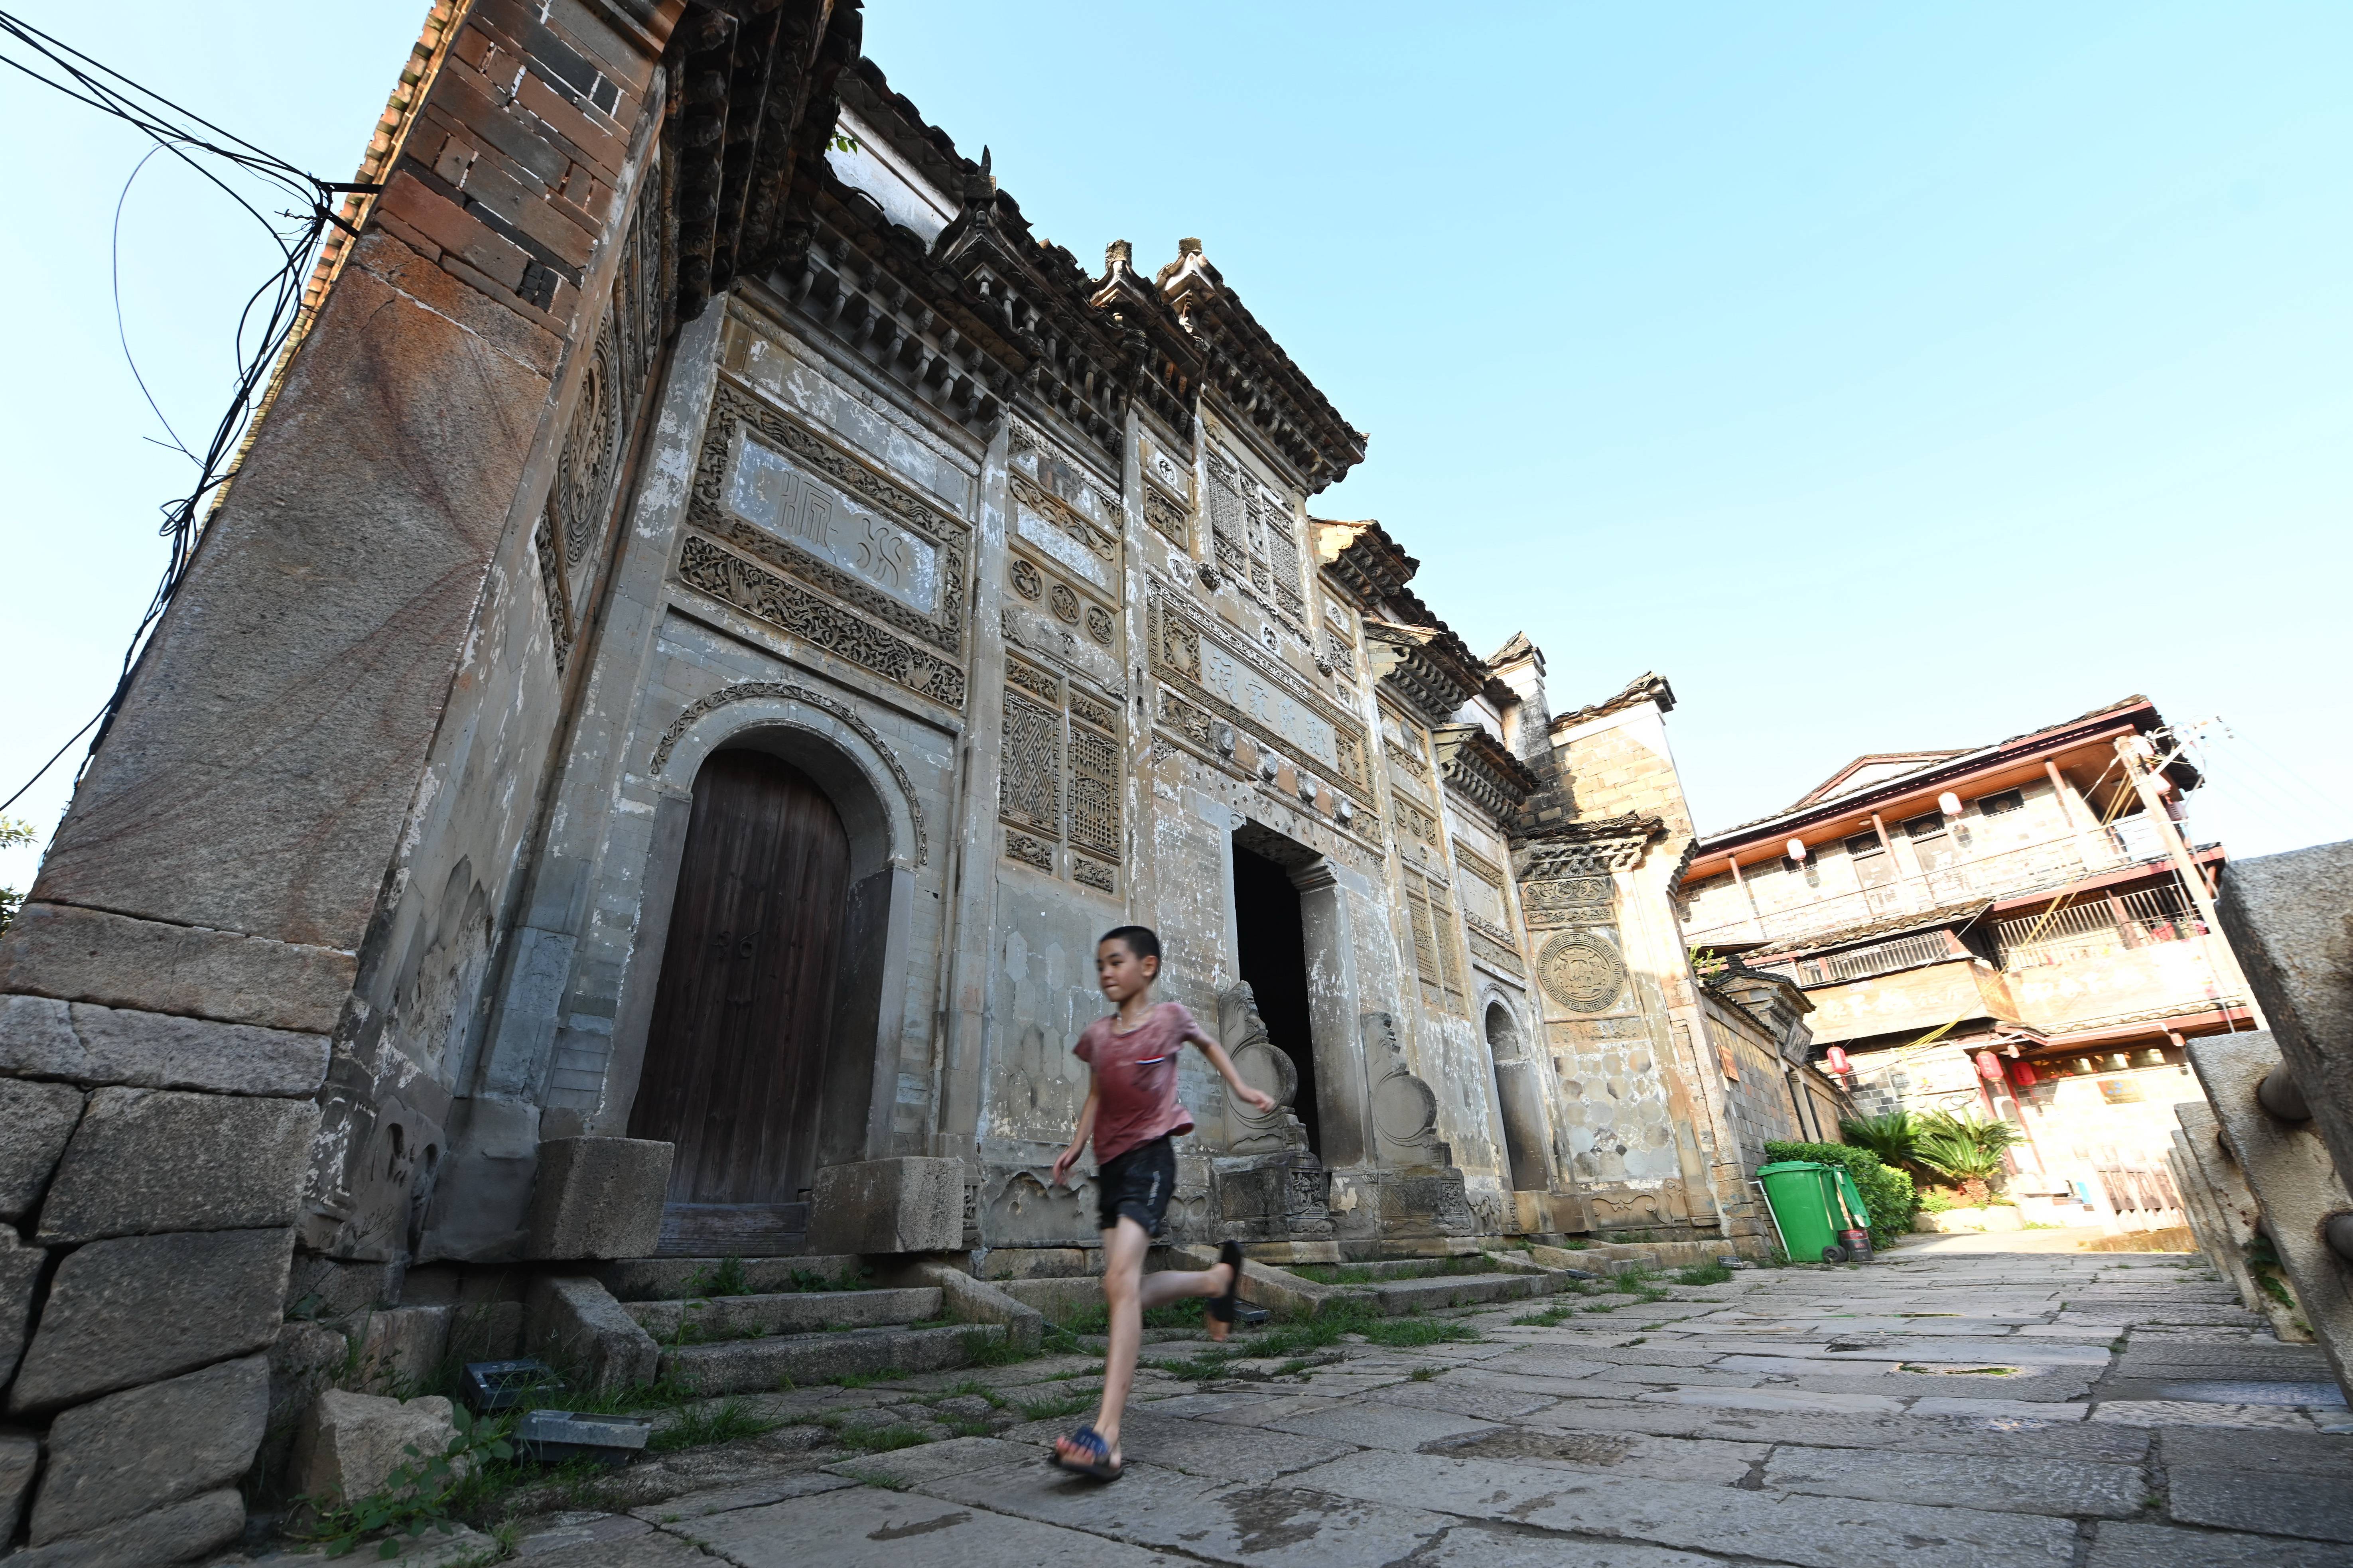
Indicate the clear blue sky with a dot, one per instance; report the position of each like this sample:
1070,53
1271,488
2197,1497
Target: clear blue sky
1885,376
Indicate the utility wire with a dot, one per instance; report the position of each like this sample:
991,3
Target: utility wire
264,325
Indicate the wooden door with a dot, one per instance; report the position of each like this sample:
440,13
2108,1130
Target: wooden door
736,1055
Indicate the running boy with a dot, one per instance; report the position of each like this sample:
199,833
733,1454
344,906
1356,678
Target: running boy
1132,1113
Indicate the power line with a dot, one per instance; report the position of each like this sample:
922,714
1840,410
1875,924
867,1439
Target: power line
264,325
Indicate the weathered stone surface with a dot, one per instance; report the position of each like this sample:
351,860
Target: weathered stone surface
121,1313
2054,1486
149,1161
2288,1168
176,1532
598,1197
349,1443
398,1347
304,1359
331,1287
117,961
2317,1507
20,1456
140,1449
36,1120
20,1270
858,1524
2122,1545
88,1044
2290,920
906,1204
576,1324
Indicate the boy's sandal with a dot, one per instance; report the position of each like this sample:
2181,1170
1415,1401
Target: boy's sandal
1221,1306
1093,1458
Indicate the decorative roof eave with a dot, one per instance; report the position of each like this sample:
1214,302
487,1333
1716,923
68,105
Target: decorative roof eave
1478,765
1583,848
2137,713
1427,666
755,106
1251,370
1363,559
1646,688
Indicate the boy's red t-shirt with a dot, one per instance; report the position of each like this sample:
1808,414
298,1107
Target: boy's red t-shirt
1135,1078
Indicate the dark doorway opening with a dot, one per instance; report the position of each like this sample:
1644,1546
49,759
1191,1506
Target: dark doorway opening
1274,957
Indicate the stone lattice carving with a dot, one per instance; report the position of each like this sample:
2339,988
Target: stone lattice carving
1565,900
785,691
1101,624
1030,771
1581,971
1064,602
1094,791
1026,580
1229,544
729,578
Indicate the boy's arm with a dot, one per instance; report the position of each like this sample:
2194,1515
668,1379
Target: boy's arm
1216,1052
1068,1157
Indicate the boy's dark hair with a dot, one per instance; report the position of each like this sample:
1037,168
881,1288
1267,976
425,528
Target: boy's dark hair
1141,941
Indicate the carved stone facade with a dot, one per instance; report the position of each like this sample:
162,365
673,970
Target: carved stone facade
1004,565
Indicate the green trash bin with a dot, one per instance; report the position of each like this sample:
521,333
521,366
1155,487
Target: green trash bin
1807,1206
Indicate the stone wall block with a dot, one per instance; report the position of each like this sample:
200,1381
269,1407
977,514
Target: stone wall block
85,955
176,1532
149,1161
577,1324
598,1197
305,1359
2290,919
907,1205
88,1044
20,1457
399,1347
137,1450
350,1444
20,1272
2288,1169
121,1313
36,1120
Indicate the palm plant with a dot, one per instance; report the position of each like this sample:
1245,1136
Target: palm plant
1964,1150
1891,1136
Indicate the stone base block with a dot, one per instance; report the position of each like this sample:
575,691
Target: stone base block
397,1349
87,1044
598,1197
176,1532
906,1204
121,1313
350,1444
136,1451
36,1120
577,1326
147,1161
2296,1186
1546,1213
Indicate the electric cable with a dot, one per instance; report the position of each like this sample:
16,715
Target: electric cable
265,324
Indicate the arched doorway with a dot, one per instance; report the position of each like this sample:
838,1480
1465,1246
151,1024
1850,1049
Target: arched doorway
741,1041
1520,1098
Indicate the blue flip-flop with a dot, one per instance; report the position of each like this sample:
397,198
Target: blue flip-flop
1097,1463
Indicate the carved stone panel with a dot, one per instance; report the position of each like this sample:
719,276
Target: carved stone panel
1581,971
1558,901
731,578
1029,767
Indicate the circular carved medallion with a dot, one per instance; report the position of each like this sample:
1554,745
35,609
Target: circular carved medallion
1099,626
1064,603
1404,1109
1026,580
1582,973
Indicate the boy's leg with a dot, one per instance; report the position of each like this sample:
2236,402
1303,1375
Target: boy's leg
1124,1249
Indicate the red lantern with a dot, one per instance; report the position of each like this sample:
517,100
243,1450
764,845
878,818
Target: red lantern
1838,1061
2022,1074
1988,1066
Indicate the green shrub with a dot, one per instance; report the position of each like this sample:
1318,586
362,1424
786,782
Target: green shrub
1889,1194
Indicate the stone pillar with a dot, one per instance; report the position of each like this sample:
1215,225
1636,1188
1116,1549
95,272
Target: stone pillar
1343,1083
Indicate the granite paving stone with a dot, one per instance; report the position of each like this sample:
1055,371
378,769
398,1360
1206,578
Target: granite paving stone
2066,1487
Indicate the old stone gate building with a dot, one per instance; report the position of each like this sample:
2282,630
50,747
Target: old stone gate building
718,617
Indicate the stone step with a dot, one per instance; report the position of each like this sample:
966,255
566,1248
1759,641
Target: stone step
672,1278
765,1365
1396,1297
705,1319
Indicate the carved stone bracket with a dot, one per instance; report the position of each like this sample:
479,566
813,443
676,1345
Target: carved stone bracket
1405,1108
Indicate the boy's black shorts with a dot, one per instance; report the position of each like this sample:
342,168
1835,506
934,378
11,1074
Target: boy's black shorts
1137,1184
